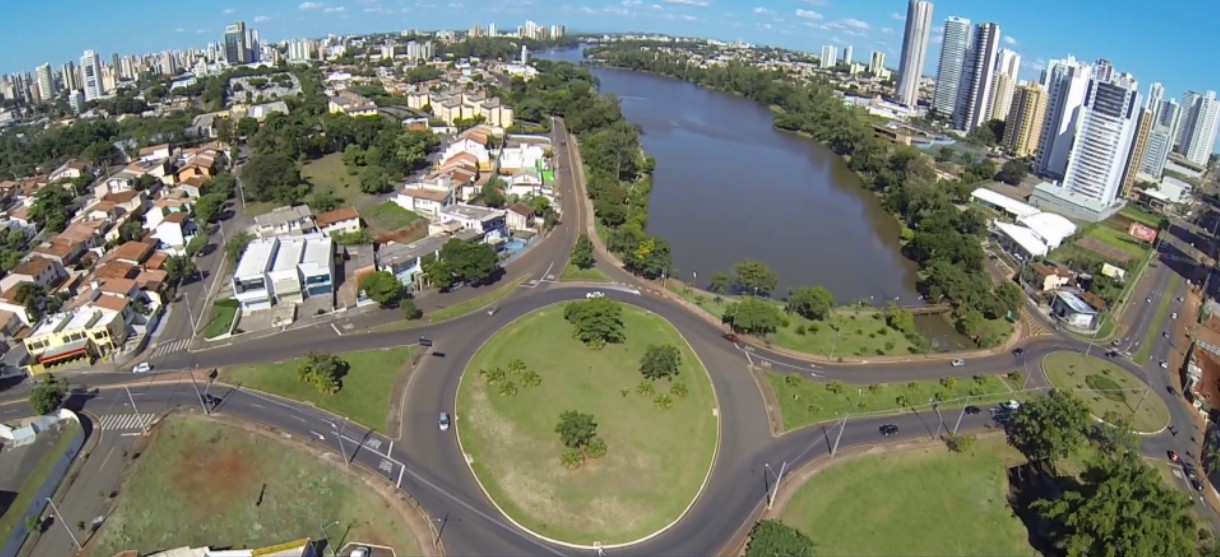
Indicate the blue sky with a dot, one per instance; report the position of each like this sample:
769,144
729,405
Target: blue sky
1173,51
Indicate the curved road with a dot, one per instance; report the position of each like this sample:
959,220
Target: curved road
426,463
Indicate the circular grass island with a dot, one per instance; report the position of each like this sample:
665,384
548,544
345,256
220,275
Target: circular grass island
660,436
1107,388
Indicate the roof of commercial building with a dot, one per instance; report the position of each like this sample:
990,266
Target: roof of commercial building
1024,237
472,211
1076,303
289,255
1051,227
319,252
1012,206
256,259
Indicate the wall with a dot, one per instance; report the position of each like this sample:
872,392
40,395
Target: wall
47,489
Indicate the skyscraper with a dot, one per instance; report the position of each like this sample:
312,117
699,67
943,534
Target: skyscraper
877,63
847,55
1023,124
71,76
914,51
91,76
953,49
1139,146
237,51
978,75
1199,128
1160,138
1007,68
46,82
1066,84
1183,129
1108,121
829,56
1156,92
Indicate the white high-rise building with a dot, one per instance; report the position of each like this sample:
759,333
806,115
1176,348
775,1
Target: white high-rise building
876,63
953,47
1199,129
46,82
829,56
1100,153
1007,69
1066,82
974,91
914,51
525,55
847,55
76,100
300,50
491,30
1156,92
1188,104
91,76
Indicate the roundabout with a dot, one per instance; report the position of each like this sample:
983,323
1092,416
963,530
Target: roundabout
1110,391
660,436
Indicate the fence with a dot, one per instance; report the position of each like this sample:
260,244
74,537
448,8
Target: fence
48,487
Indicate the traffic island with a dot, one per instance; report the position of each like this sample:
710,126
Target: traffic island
531,390
203,482
1109,390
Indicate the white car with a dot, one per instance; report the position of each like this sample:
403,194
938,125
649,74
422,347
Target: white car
1164,365
1011,405
142,367
959,363
1173,315
595,294
444,421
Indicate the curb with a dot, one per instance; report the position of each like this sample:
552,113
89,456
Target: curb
596,546
1042,369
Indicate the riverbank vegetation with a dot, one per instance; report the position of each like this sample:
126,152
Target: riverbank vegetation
943,239
617,170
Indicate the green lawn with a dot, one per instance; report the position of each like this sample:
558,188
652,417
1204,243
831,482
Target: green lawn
656,460
330,173
364,399
918,502
1141,216
850,331
38,475
389,217
1107,388
1121,240
592,274
221,318
803,402
1158,321
200,483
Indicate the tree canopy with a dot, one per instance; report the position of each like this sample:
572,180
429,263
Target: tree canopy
596,322
1050,428
772,538
754,277
382,287
753,315
463,262
660,361
48,395
810,302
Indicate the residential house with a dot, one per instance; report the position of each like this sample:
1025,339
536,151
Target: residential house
351,104
405,261
470,147
90,232
426,198
84,332
199,166
191,187
345,220
70,170
514,160
130,253
284,270
484,220
46,273
9,303
165,206
520,216
65,252
128,201
281,221
1050,277
155,153
174,232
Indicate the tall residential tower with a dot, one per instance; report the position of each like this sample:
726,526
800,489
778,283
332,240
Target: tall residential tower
978,75
91,76
914,51
949,70
1066,82
1109,121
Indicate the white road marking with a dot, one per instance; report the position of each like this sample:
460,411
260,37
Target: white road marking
318,435
336,329
386,466
401,469
125,421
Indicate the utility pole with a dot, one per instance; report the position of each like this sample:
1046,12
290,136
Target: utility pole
132,399
1142,399
326,536
339,432
202,403
190,313
783,467
940,420
960,416
835,448
60,519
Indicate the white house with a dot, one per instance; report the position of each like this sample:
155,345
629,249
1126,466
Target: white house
467,145
426,198
484,220
174,232
344,220
520,216
514,159
251,288
282,221
155,153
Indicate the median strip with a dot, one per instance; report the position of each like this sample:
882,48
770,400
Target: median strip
1141,357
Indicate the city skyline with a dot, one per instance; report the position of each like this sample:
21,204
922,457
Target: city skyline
804,25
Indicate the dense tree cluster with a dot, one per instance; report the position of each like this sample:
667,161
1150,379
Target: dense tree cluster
618,170
463,263
942,238
596,322
772,538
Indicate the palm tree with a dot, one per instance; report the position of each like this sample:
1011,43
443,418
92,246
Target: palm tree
663,402
644,388
679,390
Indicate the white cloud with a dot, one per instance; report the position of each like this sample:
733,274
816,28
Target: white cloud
815,2
656,7
764,26
897,16
179,30
1010,41
853,33
763,11
230,11
856,24
887,30
695,3
311,6
261,18
337,9
201,31
688,17
632,3
808,14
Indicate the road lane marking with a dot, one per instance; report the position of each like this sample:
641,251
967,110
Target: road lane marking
107,459
401,469
336,329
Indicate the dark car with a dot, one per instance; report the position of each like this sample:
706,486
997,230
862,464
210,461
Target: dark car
1018,352
888,430
972,410
1171,390
1196,484
1190,471
730,337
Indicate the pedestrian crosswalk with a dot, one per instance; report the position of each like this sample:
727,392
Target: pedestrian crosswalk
168,347
125,421
1034,327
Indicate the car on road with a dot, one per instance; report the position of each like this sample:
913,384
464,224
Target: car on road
1165,334
959,362
1195,483
1111,353
1010,405
730,337
1173,456
1148,300
1173,315
888,430
142,367
492,310
1018,352
972,410
444,421
1116,342
1178,299
595,294
1164,365
1190,471
1171,390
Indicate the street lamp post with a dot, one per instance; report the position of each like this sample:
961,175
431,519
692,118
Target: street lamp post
133,407
60,519
326,536
940,420
960,416
190,314
339,433
783,467
202,403
835,448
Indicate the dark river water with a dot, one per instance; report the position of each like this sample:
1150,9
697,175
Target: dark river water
728,186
